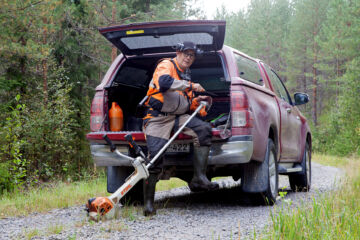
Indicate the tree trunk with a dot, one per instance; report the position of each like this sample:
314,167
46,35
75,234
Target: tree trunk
304,76
147,6
114,49
23,65
304,71
337,75
315,85
44,62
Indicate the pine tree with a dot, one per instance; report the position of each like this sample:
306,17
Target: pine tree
338,44
303,48
236,28
296,45
259,29
267,28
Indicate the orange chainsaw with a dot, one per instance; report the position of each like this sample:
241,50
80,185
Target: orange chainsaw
101,207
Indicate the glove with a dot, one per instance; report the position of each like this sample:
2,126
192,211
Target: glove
196,102
207,99
197,87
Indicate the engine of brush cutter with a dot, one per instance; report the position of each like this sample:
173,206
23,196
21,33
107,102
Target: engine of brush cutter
99,206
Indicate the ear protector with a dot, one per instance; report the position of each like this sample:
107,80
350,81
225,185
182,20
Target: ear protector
180,47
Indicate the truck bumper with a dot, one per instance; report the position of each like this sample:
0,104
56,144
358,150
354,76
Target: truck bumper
236,150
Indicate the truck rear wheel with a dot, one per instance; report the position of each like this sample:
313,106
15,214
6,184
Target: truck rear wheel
116,176
262,177
301,181
273,178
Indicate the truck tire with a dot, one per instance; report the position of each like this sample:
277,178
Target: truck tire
302,181
262,178
273,177
116,176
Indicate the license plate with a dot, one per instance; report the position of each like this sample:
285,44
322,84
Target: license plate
178,147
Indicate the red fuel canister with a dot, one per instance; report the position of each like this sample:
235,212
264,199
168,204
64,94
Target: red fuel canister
116,118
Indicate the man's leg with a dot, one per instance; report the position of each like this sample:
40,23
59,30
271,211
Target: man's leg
154,145
157,134
201,132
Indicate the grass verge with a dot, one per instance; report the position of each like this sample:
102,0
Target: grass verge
329,160
61,195
333,215
56,195
165,185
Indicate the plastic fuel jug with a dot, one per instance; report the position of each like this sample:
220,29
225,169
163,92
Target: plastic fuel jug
116,118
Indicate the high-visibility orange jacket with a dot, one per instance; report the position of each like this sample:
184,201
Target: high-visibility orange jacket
168,93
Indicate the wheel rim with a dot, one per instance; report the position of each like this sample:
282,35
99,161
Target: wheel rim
272,174
308,170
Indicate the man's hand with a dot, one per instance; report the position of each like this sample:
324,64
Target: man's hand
197,87
207,99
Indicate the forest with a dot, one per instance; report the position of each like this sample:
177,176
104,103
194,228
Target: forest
52,58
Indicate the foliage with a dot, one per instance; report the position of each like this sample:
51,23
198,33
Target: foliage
49,130
340,133
42,132
13,163
52,54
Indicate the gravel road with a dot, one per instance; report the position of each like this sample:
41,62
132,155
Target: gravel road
223,214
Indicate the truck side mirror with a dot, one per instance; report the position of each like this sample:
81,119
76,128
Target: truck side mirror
301,98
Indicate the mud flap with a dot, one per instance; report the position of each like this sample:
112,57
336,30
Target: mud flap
116,177
255,177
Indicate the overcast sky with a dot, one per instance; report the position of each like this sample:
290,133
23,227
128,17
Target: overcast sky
209,6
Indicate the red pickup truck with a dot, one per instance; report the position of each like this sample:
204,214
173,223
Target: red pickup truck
260,133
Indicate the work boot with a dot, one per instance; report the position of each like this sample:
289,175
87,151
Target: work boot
149,194
199,181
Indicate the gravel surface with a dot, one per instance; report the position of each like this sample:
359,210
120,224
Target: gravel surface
223,214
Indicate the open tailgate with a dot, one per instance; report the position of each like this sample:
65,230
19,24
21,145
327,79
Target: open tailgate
160,37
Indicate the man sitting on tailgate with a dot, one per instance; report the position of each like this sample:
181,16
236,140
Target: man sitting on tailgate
170,100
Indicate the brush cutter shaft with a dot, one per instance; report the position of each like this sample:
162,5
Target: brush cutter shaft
202,104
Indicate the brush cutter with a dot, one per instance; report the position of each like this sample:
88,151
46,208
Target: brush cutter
100,207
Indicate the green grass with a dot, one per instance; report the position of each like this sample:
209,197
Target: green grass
61,195
43,199
55,229
165,185
31,234
51,230
333,215
331,160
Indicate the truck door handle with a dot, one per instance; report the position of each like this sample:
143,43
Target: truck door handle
288,110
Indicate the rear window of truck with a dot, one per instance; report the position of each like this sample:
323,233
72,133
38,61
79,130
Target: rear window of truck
248,69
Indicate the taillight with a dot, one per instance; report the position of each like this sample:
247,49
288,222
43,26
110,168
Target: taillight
240,114
97,112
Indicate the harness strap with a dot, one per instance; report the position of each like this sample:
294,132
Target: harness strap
185,76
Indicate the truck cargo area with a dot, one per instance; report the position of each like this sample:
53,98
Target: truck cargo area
130,84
